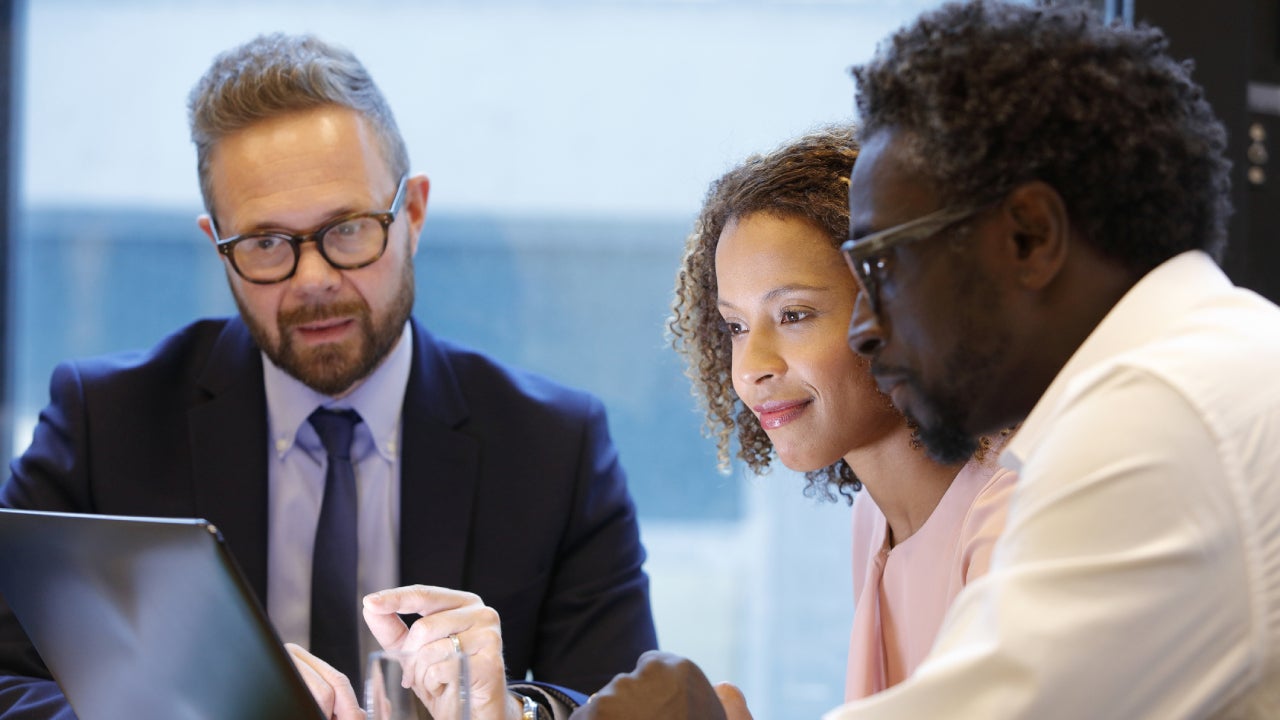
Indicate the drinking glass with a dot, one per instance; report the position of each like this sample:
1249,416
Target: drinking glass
386,697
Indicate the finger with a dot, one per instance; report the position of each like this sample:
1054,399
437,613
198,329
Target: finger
431,678
436,672
331,689
320,690
421,599
382,609
476,626
444,612
733,701
427,655
387,628
438,663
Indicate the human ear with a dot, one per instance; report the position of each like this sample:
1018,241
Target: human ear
1041,233
205,224
415,207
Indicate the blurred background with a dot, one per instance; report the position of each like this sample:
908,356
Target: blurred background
569,144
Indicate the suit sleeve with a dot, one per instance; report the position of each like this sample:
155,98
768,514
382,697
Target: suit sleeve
596,620
48,476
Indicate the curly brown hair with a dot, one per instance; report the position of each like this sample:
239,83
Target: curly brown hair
806,179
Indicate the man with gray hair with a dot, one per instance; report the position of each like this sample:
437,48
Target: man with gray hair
341,448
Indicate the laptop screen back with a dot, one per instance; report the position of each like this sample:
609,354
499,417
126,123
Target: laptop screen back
145,618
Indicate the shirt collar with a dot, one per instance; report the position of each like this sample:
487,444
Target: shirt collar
1162,295
379,399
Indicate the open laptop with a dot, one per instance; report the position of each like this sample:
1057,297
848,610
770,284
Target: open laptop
146,618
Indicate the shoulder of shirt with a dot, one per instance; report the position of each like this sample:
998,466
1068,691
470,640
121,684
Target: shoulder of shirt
986,512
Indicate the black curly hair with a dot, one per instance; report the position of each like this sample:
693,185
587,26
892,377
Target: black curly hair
806,179
987,95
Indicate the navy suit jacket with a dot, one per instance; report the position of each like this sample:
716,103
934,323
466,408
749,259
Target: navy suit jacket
510,488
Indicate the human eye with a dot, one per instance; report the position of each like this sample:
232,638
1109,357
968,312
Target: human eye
795,315
733,328
261,244
352,239
347,228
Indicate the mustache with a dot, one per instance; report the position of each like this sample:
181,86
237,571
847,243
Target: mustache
879,369
316,311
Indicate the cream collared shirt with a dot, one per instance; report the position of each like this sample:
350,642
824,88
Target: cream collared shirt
1139,573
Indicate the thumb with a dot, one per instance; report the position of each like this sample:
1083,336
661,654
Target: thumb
733,702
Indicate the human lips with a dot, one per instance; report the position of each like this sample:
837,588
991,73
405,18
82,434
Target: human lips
887,382
325,329
776,413
888,377
894,384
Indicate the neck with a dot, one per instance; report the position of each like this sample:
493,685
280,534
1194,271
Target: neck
1053,326
905,483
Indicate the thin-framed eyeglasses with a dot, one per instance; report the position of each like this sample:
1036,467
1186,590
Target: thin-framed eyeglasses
346,242
867,255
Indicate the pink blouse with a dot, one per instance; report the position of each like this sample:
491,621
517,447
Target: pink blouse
902,593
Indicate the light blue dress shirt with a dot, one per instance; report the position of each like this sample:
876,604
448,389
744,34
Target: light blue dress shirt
296,469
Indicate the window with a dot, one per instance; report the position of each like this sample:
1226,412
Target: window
569,144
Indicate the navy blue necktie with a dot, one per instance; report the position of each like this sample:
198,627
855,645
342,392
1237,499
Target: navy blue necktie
335,617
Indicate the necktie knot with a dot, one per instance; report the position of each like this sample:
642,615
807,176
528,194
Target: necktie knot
335,428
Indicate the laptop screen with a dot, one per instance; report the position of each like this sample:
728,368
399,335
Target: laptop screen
145,618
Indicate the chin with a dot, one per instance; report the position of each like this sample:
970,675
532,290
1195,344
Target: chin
948,444
803,462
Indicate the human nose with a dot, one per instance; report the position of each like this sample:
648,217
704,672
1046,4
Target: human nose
314,272
758,358
866,335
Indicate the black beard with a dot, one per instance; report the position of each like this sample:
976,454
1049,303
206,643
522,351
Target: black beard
945,441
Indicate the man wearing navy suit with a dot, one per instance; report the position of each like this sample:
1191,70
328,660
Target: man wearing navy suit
499,486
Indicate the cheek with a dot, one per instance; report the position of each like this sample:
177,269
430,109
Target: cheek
733,374
849,379
376,290
841,373
380,283
919,323
262,301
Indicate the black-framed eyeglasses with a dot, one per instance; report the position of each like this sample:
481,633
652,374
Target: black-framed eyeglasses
346,242
867,257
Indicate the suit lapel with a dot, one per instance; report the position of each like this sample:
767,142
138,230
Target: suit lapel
229,450
439,475
439,471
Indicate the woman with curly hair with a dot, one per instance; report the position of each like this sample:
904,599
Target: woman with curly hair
762,307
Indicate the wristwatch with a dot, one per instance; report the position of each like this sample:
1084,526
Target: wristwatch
532,711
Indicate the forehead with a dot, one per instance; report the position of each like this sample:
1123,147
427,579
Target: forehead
297,169
884,190
767,235
765,249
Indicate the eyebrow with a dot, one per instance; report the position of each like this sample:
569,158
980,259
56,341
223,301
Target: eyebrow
271,226
780,291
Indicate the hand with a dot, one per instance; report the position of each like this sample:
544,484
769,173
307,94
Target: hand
733,701
331,689
662,686
444,612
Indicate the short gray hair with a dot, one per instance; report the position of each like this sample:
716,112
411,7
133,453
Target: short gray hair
277,74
